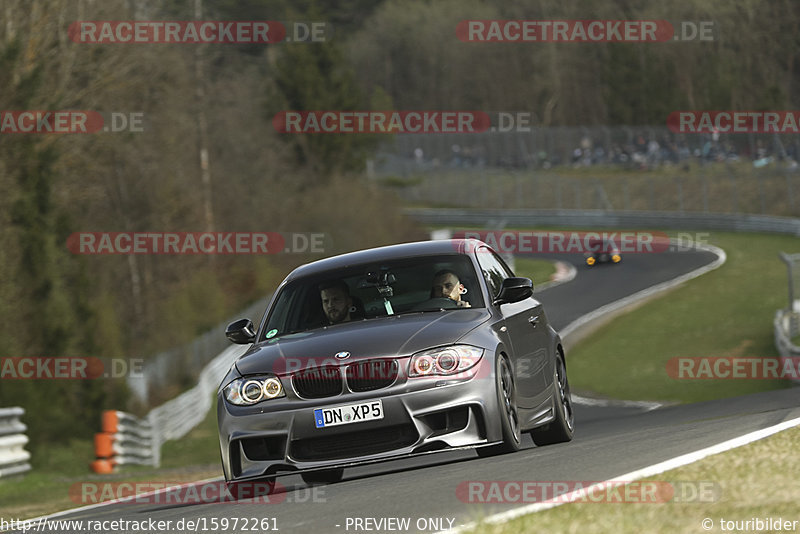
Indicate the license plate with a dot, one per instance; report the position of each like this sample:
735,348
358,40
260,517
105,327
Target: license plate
349,413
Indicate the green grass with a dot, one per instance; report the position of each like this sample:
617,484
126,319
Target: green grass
63,467
752,481
716,188
537,270
198,447
727,312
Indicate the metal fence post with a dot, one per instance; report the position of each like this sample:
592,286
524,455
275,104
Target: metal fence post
13,456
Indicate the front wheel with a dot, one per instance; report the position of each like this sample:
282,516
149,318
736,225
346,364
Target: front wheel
562,427
328,476
507,411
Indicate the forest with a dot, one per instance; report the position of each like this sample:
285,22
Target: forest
204,155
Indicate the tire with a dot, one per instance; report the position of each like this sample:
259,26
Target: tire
251,489
508,415
562,428
328,476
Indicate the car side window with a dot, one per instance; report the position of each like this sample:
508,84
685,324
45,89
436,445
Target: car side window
494,270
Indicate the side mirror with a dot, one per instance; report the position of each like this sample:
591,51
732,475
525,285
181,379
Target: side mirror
514,290
241,332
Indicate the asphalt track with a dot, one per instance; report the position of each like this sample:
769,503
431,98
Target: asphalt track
609,442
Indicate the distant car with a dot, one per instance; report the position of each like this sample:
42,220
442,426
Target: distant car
601,251
408,373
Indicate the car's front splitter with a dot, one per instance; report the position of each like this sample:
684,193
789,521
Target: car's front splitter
449,416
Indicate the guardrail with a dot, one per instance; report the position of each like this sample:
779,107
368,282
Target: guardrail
174,419
13,456
127,439
786,326
181,364
617,219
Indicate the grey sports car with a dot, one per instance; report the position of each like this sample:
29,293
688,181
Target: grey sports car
388,353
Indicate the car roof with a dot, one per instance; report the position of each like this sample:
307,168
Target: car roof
387,253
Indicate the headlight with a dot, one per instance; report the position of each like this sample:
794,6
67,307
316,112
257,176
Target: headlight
444,361
249,391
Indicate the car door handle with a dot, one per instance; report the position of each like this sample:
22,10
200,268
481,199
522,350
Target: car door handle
534,320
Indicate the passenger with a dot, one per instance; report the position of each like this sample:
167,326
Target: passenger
336,301
446,284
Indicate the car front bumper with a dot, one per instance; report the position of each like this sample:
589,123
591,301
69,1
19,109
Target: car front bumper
420,415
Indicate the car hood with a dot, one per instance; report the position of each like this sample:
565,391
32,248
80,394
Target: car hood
383,337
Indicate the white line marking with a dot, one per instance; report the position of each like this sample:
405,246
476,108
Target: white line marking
652,470
123,499
612,307
603,311
565,272
605,403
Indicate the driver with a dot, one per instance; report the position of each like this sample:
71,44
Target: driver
446,284
336,301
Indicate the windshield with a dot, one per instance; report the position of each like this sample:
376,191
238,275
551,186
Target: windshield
414,285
